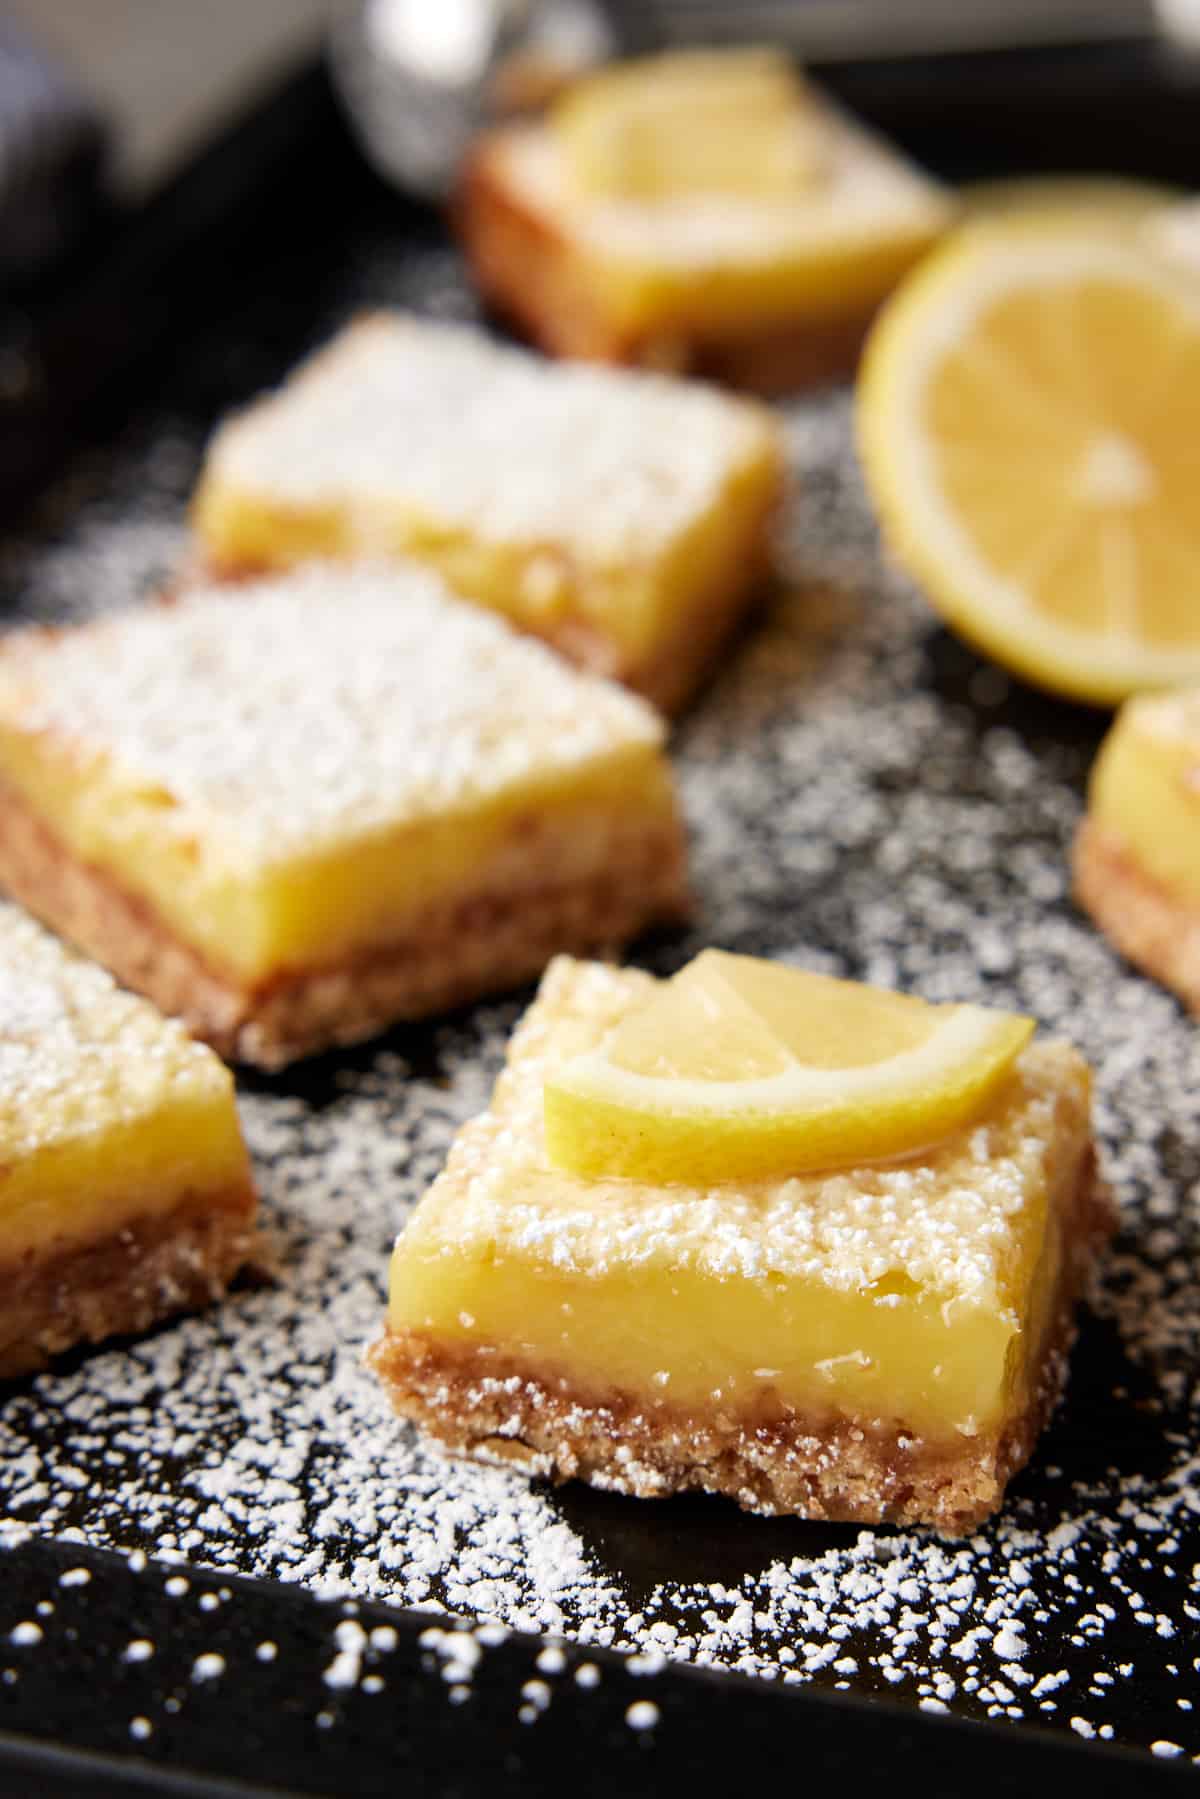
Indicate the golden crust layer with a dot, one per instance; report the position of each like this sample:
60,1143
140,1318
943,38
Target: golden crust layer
485,1402
1157,930
149,1269
480,941
528,270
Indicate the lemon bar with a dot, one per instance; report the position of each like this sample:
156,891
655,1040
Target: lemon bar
880,1342
1137,852
125,1188
296,811
763,288
621,518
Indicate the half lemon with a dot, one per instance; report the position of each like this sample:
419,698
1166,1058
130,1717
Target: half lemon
1029,420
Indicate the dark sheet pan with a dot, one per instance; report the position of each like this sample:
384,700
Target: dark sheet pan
864,795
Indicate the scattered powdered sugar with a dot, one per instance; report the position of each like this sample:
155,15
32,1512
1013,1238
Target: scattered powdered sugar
864,799
346,1667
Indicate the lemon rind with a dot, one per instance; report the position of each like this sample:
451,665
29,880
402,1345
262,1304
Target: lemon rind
643,1126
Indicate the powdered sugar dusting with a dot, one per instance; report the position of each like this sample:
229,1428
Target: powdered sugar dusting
865,801
311,709
78,1055
439,424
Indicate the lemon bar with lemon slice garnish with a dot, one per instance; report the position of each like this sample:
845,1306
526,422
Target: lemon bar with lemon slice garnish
622,517
1137,852
1028,413
125,1188
299,810
757,1232
700,211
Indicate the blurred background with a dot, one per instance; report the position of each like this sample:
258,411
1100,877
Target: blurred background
145,144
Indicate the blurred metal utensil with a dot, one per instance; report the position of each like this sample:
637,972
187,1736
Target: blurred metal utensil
421,76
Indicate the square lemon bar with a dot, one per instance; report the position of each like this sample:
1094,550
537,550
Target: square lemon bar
880,1342
295,811
698,212
1137,852
125,1188
623,518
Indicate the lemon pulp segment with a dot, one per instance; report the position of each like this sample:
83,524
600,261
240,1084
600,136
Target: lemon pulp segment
1028,413
742,1069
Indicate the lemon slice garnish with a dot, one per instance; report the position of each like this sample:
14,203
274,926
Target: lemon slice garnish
691,122
744,1070
1028,416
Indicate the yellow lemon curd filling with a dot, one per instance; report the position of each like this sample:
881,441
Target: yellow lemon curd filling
555,496
912,1296
1145,788
300,769
108,1112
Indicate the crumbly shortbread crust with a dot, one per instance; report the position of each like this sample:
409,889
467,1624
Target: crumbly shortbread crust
149,1269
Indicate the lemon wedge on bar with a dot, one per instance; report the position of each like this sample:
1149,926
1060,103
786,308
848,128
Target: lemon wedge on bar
739,1069
1028,417
692,122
